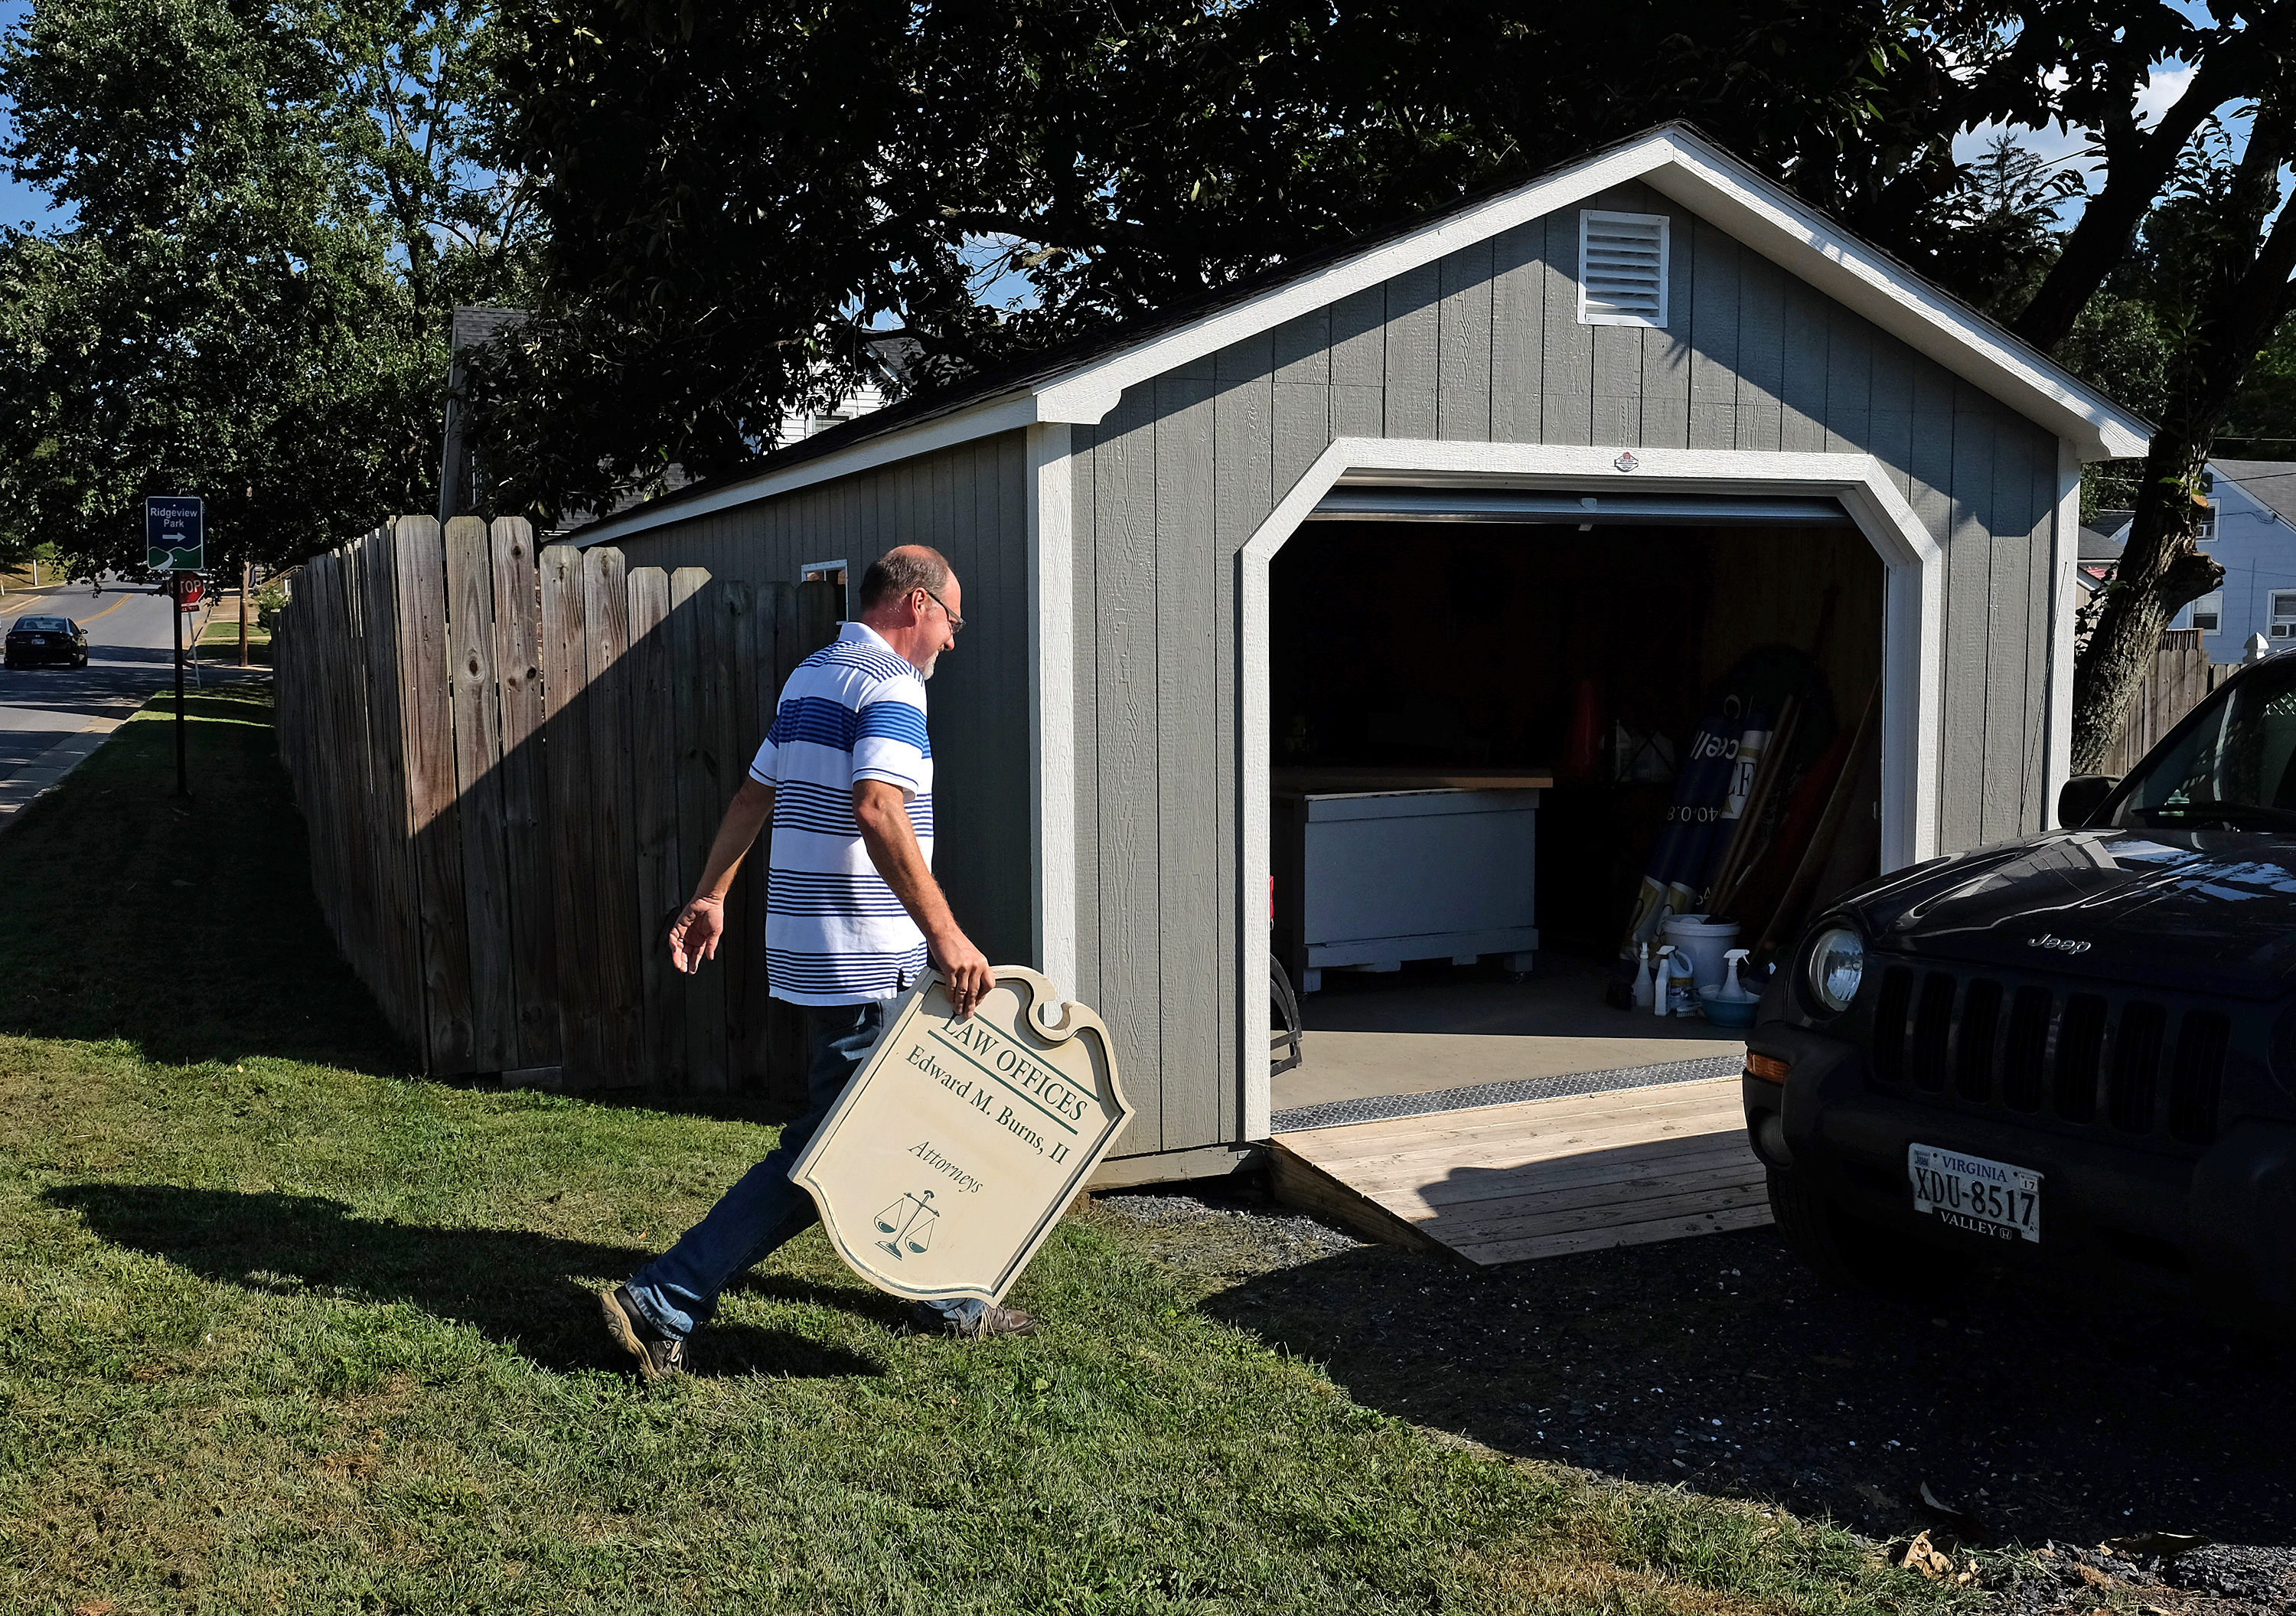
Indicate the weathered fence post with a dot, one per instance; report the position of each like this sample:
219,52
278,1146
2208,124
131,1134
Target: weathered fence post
697,695
663,883
525,795
476,689
565,671
612,872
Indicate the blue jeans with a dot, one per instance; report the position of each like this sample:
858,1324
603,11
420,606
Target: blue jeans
677,1291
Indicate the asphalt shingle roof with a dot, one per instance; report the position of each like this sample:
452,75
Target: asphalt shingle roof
2271,481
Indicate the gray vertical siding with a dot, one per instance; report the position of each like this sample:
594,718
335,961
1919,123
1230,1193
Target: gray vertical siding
1483,345
970,502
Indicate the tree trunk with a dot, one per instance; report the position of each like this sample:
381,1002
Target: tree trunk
2161,568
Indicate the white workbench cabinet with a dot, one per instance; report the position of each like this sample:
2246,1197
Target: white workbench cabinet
1370,879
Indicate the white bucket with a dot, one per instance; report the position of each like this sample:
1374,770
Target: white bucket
1703,942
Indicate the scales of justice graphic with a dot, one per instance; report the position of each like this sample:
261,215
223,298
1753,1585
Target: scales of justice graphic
1004,1114
910,1222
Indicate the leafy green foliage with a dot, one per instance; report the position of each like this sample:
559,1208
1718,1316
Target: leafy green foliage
272,212
269,606
2262,424
738,198
2121,344
2000,233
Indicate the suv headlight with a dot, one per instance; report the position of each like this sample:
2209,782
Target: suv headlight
1837,966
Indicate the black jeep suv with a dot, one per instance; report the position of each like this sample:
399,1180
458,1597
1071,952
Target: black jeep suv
2077,1050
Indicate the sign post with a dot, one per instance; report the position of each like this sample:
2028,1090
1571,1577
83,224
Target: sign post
175,541
953,1153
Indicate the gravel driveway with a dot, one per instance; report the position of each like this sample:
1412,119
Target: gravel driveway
1718,1362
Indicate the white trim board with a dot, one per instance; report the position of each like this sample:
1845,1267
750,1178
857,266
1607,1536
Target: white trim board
1052,703
1913,626
2064,564
1672,161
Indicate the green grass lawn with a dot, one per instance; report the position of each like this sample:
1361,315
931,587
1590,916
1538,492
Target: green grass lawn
219,641
225,626
283,1328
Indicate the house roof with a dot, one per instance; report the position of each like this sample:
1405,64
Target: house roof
1082,383
2271,483
2100,544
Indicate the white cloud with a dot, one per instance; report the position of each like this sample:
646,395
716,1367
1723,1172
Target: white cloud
2164,88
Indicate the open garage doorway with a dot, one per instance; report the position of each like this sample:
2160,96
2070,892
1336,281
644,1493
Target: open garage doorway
1483,722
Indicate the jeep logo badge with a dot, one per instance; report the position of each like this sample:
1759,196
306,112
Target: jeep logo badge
2063,945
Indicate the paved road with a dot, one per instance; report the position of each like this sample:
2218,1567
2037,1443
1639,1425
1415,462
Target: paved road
130,655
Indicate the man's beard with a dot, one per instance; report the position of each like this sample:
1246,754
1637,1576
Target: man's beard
932,661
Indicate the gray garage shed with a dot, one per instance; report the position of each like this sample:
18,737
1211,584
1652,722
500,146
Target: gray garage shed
1648,351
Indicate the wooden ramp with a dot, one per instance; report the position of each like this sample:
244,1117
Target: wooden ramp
1505,1183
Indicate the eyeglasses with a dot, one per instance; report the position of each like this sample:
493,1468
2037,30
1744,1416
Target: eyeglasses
956,623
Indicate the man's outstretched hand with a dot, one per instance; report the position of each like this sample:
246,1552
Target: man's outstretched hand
965,969
694,935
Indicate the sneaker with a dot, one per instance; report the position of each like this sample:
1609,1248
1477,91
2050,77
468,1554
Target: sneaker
992,1321
660,1356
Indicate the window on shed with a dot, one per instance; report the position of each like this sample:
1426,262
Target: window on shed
1622,264
830,573
2283,615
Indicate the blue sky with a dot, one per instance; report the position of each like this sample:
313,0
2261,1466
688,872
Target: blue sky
18,204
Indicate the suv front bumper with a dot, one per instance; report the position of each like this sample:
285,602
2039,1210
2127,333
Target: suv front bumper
2219,1229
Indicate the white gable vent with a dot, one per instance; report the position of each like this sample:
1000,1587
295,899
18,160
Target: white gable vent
1621,268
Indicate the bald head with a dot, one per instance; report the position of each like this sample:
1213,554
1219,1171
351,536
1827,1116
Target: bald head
894,574
915,604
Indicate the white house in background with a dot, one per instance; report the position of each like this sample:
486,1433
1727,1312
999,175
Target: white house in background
2250,529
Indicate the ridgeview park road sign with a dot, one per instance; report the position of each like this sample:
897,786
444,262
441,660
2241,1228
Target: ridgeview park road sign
953,1153
174,532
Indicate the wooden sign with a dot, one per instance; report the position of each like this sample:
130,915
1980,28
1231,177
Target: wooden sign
954,1152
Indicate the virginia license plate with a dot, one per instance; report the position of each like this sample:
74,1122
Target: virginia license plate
1971,1192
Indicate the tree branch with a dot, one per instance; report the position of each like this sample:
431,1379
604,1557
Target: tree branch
2138,165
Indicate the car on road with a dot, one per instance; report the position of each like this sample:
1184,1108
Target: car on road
34,640
2075,1051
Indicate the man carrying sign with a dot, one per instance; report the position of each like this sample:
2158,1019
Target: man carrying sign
852,913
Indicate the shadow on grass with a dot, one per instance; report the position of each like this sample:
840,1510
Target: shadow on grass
1719,1362
188,928
528,1292
185,927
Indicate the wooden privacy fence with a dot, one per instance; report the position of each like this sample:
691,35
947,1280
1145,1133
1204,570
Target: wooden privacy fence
512,764
2180,679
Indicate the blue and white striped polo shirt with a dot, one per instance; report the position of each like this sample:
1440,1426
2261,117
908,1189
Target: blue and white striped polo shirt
834,932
